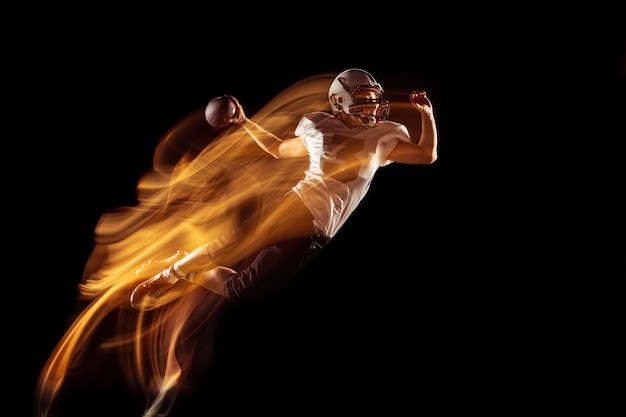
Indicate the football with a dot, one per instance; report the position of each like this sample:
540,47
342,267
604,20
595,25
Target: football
218,109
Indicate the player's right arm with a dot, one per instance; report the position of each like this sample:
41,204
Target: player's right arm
269,142
272,144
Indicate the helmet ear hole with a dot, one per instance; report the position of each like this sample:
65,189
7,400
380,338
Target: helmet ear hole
336,101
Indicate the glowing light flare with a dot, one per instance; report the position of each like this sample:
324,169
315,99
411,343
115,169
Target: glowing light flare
202,184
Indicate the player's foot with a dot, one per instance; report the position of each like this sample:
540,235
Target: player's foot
151,268
145,295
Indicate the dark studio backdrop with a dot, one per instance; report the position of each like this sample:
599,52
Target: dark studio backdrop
394,314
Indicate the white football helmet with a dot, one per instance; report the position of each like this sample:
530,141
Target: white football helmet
341,96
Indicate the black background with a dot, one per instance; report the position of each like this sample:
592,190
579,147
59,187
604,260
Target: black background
453,313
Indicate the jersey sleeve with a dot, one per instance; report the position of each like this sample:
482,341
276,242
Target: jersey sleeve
310,122
395,132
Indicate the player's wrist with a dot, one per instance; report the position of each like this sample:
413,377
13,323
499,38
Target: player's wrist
247,123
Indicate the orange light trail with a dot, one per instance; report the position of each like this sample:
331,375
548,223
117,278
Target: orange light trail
200,180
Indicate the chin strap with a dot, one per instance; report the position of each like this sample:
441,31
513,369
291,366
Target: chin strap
367,121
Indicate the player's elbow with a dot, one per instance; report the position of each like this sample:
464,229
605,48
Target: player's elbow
274,151
427,156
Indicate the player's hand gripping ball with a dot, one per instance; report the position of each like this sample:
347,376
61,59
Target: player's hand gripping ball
219,110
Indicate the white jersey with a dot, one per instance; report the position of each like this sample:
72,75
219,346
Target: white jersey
343,162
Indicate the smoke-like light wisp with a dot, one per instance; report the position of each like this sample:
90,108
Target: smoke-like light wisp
203,183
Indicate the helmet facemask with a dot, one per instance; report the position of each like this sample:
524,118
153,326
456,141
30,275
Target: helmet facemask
369,110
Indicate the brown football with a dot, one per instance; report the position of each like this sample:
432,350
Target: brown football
219,109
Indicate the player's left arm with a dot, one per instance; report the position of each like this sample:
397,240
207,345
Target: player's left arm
424,151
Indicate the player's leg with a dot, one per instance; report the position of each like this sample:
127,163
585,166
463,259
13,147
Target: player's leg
272,268
290,220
